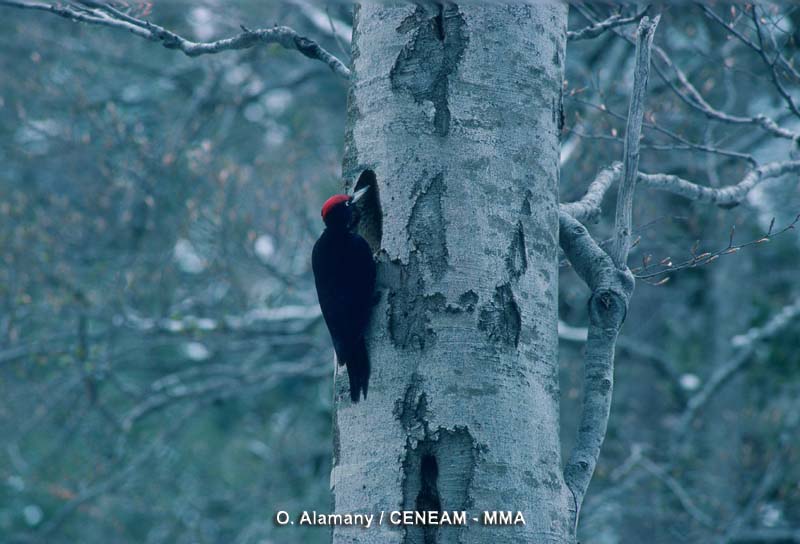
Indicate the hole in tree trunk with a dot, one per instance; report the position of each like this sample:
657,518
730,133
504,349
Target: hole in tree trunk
370,222
428,497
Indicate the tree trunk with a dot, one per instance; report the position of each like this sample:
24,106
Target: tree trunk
456,110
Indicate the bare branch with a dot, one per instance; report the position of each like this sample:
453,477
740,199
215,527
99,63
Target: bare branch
772,477
686,143
785,64
611,290
692,97
217,383
588,207
725,196
104,15
723,374
771,63
633,132
595,29
289,319
683,496
667,266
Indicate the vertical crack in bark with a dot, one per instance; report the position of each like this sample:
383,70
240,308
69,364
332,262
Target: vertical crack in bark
517,260
424,65
526,204
500,318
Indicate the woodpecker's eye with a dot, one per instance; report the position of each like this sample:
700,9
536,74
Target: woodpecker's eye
347,203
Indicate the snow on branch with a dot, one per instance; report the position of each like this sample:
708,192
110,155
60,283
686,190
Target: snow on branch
92,12
633,133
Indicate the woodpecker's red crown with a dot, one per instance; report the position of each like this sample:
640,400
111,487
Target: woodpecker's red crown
332,202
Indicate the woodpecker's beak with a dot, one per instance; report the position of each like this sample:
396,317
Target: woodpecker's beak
358,194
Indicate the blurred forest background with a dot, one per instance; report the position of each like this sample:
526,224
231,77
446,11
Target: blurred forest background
165,375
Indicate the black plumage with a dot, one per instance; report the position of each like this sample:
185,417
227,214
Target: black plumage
344,273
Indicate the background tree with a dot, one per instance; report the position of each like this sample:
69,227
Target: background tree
160,340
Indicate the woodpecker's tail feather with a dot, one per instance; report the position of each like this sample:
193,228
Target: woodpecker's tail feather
358,371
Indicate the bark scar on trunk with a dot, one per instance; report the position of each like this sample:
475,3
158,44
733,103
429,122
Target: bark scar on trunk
424,65
517,259
438,466
500,318
437,476
426,227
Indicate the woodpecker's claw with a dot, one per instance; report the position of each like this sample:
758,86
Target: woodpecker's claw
358,194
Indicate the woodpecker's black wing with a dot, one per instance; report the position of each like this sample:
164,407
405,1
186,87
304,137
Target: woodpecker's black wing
344,273
362,275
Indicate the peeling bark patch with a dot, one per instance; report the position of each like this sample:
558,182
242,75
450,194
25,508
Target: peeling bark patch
500,319
438,473
412,410
424,65
468,300
409,309
466,303
409,319
517,260
426,227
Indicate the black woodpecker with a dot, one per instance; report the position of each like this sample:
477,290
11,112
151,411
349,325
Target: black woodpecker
344,273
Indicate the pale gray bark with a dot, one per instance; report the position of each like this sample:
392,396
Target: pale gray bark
456,111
